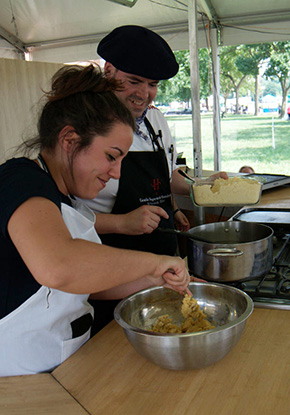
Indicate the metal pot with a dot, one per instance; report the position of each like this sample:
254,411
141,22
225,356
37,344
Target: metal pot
238,251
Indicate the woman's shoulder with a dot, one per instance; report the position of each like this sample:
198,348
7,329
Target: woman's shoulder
21,172
21,178
17,165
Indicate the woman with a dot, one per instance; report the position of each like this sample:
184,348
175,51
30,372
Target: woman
51,257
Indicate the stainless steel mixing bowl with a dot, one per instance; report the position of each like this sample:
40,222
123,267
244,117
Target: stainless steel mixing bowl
228,308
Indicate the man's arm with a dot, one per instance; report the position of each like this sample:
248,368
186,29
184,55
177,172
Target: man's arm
142,220
180,220
179,185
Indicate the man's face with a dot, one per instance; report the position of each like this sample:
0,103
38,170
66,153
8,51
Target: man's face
138,92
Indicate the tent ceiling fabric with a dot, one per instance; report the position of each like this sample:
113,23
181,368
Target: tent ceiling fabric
69,30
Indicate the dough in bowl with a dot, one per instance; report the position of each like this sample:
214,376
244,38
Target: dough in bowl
194,319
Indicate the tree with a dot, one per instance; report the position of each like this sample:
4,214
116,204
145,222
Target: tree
179,87
278,66
249,61
205,74
271,87
236,67
226,88
229,70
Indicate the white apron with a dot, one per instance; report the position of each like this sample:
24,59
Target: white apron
46,329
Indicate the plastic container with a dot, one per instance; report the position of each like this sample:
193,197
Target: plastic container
235,191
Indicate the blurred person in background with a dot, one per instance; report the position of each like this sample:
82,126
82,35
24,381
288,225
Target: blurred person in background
247,169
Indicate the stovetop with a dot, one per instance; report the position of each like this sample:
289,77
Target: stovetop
272,290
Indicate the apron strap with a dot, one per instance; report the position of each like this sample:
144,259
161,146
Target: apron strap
42,163
154,137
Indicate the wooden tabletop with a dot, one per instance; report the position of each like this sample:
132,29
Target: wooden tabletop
107,376
277,197
36,395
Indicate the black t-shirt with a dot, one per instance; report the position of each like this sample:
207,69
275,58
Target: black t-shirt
20,179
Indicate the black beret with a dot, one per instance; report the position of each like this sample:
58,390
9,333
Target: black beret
139,51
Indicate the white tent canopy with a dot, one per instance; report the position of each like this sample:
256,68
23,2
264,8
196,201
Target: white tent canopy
62,31
69,30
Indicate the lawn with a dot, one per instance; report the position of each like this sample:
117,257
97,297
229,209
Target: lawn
262,142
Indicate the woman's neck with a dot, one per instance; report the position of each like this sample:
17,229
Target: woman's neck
50,164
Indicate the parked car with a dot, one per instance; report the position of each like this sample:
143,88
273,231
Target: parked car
179,111
187,111
173,112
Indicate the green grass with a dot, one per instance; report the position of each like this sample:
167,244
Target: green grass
245,140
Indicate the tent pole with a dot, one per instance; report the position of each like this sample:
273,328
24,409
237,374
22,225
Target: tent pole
199,215
195,93
216,99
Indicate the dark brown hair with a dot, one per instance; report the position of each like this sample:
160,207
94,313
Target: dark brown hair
80,96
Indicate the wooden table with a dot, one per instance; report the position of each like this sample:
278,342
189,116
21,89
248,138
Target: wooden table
107,376
278,198
36,395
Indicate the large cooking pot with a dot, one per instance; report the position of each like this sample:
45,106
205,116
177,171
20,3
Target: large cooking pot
232,251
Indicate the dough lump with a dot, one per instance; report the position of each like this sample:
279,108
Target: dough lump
194,319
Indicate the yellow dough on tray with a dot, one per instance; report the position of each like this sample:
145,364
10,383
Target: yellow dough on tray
195,319
233,191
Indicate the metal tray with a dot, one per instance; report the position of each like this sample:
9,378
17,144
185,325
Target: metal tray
267,216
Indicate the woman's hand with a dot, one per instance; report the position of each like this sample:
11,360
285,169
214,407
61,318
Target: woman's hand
171,272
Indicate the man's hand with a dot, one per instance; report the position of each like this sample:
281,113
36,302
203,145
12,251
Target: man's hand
181,222
220,174
144,219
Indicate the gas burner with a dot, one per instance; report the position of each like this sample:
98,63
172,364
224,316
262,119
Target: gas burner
273,289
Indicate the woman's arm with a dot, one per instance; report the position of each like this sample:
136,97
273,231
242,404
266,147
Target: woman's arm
40,235
123,290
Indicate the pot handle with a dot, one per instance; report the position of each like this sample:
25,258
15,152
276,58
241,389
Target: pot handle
220,252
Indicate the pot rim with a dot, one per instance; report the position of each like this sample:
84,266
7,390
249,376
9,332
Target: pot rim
232,224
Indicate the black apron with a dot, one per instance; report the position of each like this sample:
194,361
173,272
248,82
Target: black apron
145,181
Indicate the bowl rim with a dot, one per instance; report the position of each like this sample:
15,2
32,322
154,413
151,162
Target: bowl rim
242,318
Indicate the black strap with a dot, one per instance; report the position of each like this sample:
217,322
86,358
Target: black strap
154,137
43,164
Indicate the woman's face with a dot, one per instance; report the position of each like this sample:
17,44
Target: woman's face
93,166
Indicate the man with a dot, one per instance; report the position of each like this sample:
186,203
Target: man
130,210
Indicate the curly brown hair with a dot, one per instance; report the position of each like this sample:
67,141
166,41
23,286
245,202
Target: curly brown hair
82,97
